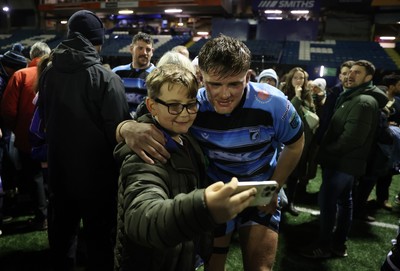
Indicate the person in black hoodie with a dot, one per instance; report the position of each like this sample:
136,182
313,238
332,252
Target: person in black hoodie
81,103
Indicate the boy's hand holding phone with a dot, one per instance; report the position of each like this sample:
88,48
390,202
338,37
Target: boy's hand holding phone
266,190
224,202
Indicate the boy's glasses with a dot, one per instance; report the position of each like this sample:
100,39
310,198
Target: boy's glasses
177,108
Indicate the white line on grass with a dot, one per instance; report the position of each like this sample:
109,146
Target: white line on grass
375,223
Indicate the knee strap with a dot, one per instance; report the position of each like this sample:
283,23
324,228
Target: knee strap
220,250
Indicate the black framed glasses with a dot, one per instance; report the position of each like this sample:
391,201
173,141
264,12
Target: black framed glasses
177,108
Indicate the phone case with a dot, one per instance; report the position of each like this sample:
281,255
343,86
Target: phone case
265,191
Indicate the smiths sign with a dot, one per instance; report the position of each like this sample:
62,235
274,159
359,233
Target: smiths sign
286,4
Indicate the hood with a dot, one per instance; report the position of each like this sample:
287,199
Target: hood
320,83
378,94
366,89
270,73
75,54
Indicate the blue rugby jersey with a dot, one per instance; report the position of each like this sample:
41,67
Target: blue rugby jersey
245,143
134,83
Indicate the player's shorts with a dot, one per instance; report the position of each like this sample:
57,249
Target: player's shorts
250,216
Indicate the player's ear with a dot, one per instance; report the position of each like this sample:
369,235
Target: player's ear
248,76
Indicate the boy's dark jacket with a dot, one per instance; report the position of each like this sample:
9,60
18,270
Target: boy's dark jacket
161,208
347,142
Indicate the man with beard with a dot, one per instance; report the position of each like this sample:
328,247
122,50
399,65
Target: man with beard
332,95
343,156
134,74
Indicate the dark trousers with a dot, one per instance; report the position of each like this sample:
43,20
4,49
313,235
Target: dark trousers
2,194
361,190
98,217
1,203
291,186
31,180
382,187
336,205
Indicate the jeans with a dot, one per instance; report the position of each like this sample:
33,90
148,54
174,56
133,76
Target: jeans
336,205
382,187
361,192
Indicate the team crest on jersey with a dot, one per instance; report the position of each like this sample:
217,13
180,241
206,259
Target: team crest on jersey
262,95
205,135
254,134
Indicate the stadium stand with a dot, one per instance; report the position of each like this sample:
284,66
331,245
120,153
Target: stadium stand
118,44
285,42
306,53
27,37
333,53
161,48
195,48
309,53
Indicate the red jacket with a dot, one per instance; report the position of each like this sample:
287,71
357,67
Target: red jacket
16,104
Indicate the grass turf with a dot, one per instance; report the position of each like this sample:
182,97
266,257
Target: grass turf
21,249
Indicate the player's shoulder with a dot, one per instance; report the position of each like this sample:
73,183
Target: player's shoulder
265,88
264,93
122,67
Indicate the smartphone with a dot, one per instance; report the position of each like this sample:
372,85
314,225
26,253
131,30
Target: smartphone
265,191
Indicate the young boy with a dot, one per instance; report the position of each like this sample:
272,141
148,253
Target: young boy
162,208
